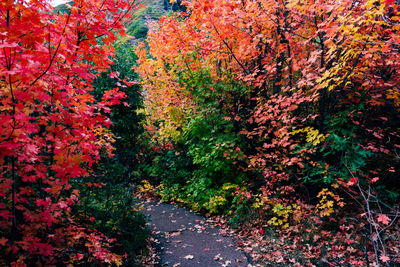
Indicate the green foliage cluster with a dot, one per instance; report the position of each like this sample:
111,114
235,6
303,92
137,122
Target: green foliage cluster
106,197
201,164
342,143
110,209
136,27
125,117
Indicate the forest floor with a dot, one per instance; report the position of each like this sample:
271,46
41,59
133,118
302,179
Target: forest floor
183,238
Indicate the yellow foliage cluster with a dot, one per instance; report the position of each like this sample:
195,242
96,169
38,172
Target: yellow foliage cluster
228,186
215,203
325,207
282,214
219,200
146,187
313,135
258,203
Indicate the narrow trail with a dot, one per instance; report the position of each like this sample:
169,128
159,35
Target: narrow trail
185,239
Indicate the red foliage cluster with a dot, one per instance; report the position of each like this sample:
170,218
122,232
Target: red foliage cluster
51,127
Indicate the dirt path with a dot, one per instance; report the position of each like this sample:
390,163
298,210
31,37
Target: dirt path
184,239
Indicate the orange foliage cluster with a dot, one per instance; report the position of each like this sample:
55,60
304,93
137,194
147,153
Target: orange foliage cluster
321,110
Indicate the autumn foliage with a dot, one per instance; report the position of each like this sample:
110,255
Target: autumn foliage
52,129
290,108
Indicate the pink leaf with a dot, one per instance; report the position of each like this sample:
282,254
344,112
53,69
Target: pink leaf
374,180
114,74
384,258
383,219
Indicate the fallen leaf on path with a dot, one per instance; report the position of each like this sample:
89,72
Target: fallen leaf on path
189,257
217,257
175,234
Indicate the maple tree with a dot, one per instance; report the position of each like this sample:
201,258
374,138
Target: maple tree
52,128
309,93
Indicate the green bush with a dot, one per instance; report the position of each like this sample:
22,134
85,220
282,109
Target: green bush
137,29
111,210
106,197
205,155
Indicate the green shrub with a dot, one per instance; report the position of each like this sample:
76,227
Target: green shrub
110,209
